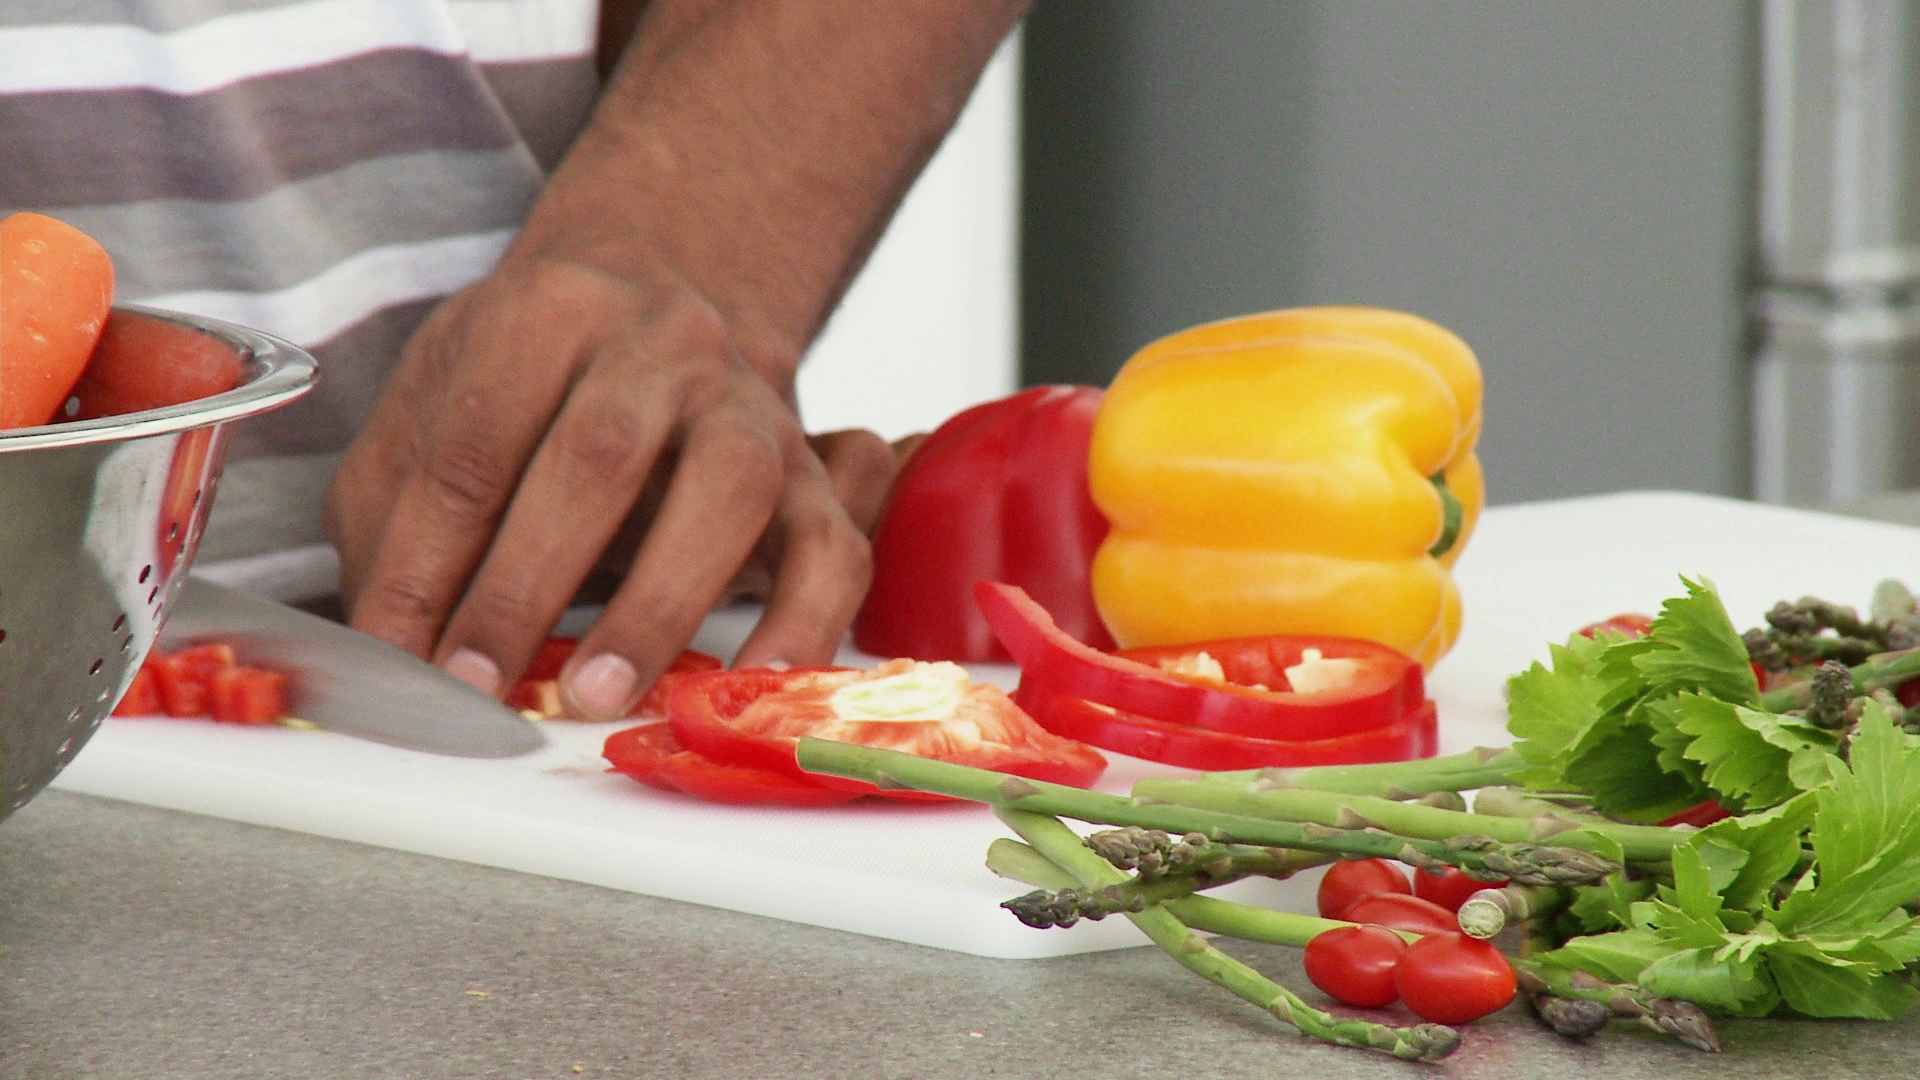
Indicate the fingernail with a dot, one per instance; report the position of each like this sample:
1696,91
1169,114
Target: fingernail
474,669
604,686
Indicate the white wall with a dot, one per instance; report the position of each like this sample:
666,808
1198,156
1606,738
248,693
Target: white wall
930,326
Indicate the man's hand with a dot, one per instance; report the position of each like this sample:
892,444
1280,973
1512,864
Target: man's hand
623,379
527,420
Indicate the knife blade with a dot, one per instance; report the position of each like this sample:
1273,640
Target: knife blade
350,682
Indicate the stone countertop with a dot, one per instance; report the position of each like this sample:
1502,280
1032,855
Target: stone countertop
144,944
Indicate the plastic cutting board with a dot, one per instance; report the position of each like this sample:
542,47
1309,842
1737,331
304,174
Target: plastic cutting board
1531,574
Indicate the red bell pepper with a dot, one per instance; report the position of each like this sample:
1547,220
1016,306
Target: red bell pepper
1415,735
1253,697
650,754
538,689
756,716
998,492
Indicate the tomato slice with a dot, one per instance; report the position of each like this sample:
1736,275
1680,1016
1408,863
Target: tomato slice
1414,735
650,754
756,716
1376,685
538,690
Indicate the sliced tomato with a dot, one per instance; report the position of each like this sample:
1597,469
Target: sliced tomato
538,690
756,716
1252,697
1414,735
650,754
1627,624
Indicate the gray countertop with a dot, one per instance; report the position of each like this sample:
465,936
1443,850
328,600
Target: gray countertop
141,944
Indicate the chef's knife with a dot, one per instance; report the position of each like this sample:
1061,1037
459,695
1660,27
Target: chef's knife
350,682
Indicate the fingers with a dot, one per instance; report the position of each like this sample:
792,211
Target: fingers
731,478
491,411
860,467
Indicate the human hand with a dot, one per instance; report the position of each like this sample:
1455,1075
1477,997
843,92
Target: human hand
556,414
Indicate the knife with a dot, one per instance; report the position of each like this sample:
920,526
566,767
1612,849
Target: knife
350,682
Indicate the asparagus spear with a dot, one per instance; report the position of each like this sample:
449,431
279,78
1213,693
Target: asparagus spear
1462,846
1422,1042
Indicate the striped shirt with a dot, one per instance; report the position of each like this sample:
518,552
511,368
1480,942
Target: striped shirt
322,170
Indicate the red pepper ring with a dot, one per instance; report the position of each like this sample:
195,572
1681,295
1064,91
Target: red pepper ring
1387,684
711,714
1415,735
650,754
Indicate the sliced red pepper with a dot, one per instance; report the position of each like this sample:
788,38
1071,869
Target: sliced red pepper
183,677
143,695
538,690
247,695
756,716
1415,735
1254,700
650,754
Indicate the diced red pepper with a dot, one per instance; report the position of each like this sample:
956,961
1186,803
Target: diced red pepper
247,695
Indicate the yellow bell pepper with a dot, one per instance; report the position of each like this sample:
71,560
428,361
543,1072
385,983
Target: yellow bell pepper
1308,471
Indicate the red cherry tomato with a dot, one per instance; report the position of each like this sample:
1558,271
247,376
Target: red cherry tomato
1630,624
1403,911
1354,964
1452,978
1348,882
1450,887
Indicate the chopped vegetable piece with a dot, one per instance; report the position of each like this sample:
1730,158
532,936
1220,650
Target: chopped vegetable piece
538,690
650,754
756,716
1415,735
1380,688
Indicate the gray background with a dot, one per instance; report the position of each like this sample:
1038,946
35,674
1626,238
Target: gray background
1565,183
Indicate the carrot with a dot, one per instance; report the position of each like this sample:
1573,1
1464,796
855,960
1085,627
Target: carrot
56,287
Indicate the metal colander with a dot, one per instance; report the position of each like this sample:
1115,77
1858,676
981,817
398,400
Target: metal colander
99,522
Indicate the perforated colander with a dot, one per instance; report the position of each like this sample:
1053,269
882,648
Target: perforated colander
99,522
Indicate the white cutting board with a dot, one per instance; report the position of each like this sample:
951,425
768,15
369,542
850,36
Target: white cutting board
1533,573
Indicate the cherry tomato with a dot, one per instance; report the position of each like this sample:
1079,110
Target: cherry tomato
1450,887
1699,815
1452,978
1350,881
1629,624
1354,964
1403,911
